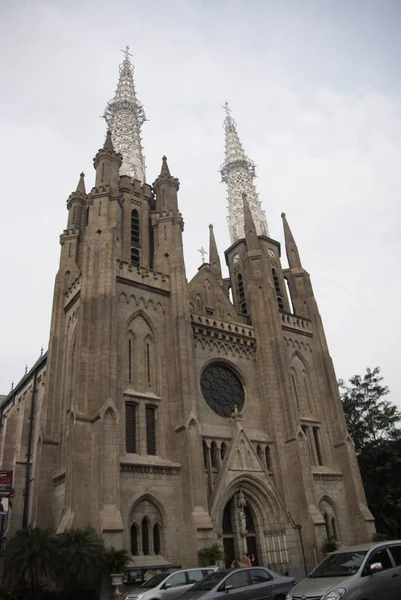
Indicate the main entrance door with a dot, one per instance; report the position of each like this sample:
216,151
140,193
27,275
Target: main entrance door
239,532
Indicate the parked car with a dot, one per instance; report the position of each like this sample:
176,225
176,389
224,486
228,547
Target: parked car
166,586
366,572
250,583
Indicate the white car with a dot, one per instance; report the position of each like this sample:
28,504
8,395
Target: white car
166,586
365,572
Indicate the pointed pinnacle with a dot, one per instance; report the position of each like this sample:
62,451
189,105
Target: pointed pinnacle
252,242
81,184
291,249
108,143
165,170
214,259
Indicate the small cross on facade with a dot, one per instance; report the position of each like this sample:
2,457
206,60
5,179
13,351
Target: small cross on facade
203,253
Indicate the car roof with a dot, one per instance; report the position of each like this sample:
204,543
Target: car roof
366,546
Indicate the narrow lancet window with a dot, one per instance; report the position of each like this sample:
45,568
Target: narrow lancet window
130,427
145,536
134,540
156,538
241,295
129,360
277,287
135,238
151,430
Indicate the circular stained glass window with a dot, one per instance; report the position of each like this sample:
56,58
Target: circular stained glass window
222,389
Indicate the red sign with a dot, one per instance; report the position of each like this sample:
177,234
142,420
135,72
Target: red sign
6,481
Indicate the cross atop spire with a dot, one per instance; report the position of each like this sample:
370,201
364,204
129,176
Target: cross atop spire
127,53
238,172
125,116
228,110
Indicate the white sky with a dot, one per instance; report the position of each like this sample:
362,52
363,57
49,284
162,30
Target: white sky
315,89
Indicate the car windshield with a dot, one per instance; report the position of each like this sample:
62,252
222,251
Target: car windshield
342,564
209,582
155,580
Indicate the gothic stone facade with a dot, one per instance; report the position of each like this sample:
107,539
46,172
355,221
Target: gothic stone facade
170,415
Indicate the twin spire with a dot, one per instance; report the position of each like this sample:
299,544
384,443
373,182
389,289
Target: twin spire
125,116
238,172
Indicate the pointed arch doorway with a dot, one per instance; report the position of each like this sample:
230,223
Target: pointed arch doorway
240,530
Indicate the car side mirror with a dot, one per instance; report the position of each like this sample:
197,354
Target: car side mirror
376,567
167,585
227,588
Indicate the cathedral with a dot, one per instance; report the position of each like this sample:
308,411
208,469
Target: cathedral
170,414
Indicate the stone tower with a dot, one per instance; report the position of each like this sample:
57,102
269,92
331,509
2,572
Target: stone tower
174,414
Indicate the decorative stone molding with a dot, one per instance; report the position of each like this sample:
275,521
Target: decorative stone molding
327,476
150,469
297,345
72,291
298,324
133,275
222,337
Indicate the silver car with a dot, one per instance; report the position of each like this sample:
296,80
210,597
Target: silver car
366,572
249,583
166,586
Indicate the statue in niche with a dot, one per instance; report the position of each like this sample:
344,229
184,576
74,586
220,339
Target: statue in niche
241,503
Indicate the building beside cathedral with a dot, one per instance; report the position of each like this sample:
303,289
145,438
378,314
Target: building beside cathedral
169,414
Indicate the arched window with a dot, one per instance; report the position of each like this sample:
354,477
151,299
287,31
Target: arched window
214,455
241,295
131,356
147,528
294,385
131,427
334,528
317,445
223,450
134,540
327,526
205,455
145,536
227,521
135,245
249,520
277,287
156,538
149,362
151,430
306,386
268,458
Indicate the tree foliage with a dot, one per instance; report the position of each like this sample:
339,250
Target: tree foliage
30,557
210,555
370,418
36,559
372,423
83,557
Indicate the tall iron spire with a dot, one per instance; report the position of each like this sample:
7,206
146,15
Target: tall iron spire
125,116
238,172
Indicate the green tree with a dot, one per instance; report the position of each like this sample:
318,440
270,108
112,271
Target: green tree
83,558
370,418
372,423
116,560
210,555
30,558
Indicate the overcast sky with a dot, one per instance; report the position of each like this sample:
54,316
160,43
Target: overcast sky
315,89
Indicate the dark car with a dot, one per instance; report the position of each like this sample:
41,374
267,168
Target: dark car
250,583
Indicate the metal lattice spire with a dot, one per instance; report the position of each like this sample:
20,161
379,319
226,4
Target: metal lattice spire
238,172
125,116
